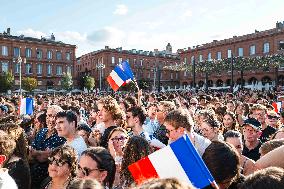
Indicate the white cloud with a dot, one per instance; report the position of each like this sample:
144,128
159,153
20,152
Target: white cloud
31,33
187,13
121,10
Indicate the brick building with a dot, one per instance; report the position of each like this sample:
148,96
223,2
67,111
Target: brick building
147,66
44,59
259,43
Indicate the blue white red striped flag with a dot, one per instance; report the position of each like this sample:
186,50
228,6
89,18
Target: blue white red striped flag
179,160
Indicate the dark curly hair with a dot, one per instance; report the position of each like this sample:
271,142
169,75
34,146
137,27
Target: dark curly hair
69,155
135,149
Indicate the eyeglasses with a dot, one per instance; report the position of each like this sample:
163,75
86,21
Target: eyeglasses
87,171
58,162
272,117
169,131
122,138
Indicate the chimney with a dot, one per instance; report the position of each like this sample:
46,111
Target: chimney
52,37
106,47
8,31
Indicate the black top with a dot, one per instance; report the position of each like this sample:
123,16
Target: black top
266,134
161,134
20,172
252,154
104,139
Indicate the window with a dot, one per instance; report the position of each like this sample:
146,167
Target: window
58,70
176,75
184,73
219,55
49,54
266,48
58,55
252,50
113,60
29,68
5,67
149,74
134,61
39,54
185,60
49,69
281,45
39,69
141,62
68,56
4,51
119,60
17,52
229,53
241,51
209,56
172,75
69,69
200,58
17,68
28,53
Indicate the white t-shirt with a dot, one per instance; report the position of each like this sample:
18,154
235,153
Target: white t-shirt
6,181
200,143
79,145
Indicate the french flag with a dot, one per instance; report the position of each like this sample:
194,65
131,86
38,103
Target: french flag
277,106
120,75
26,106
179,160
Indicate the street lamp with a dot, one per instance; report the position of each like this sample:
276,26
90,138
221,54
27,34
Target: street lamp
100,66
19,61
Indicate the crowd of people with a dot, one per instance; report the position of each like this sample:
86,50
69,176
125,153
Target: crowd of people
89,140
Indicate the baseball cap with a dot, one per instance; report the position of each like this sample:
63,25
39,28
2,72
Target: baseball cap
253,123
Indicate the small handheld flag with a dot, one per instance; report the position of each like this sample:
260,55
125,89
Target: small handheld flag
277,106
179,159
120,75
26,106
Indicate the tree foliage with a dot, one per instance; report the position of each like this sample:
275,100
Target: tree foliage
89,82
29,83
67,81
6,81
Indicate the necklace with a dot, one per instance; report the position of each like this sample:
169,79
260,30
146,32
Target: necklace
66,183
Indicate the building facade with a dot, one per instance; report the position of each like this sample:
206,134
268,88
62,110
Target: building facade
147,66
44,59
257,44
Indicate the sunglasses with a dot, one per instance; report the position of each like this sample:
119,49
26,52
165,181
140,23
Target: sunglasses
122,138
87,171
272,117
58,162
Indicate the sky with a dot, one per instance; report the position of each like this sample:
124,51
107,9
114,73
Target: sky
143,25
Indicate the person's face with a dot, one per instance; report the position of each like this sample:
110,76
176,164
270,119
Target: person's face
250,134
173,133
260,116
202,102
161,114
103,114
88,169
230,107
279,135
119,139
272,119
1,112
152,112
50,118
131,121
122,107
208,131
228,121
63,127
240,109
84,134
57,167
236,142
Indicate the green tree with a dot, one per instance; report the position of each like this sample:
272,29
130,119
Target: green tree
67,81
6,81
89,82
29,83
